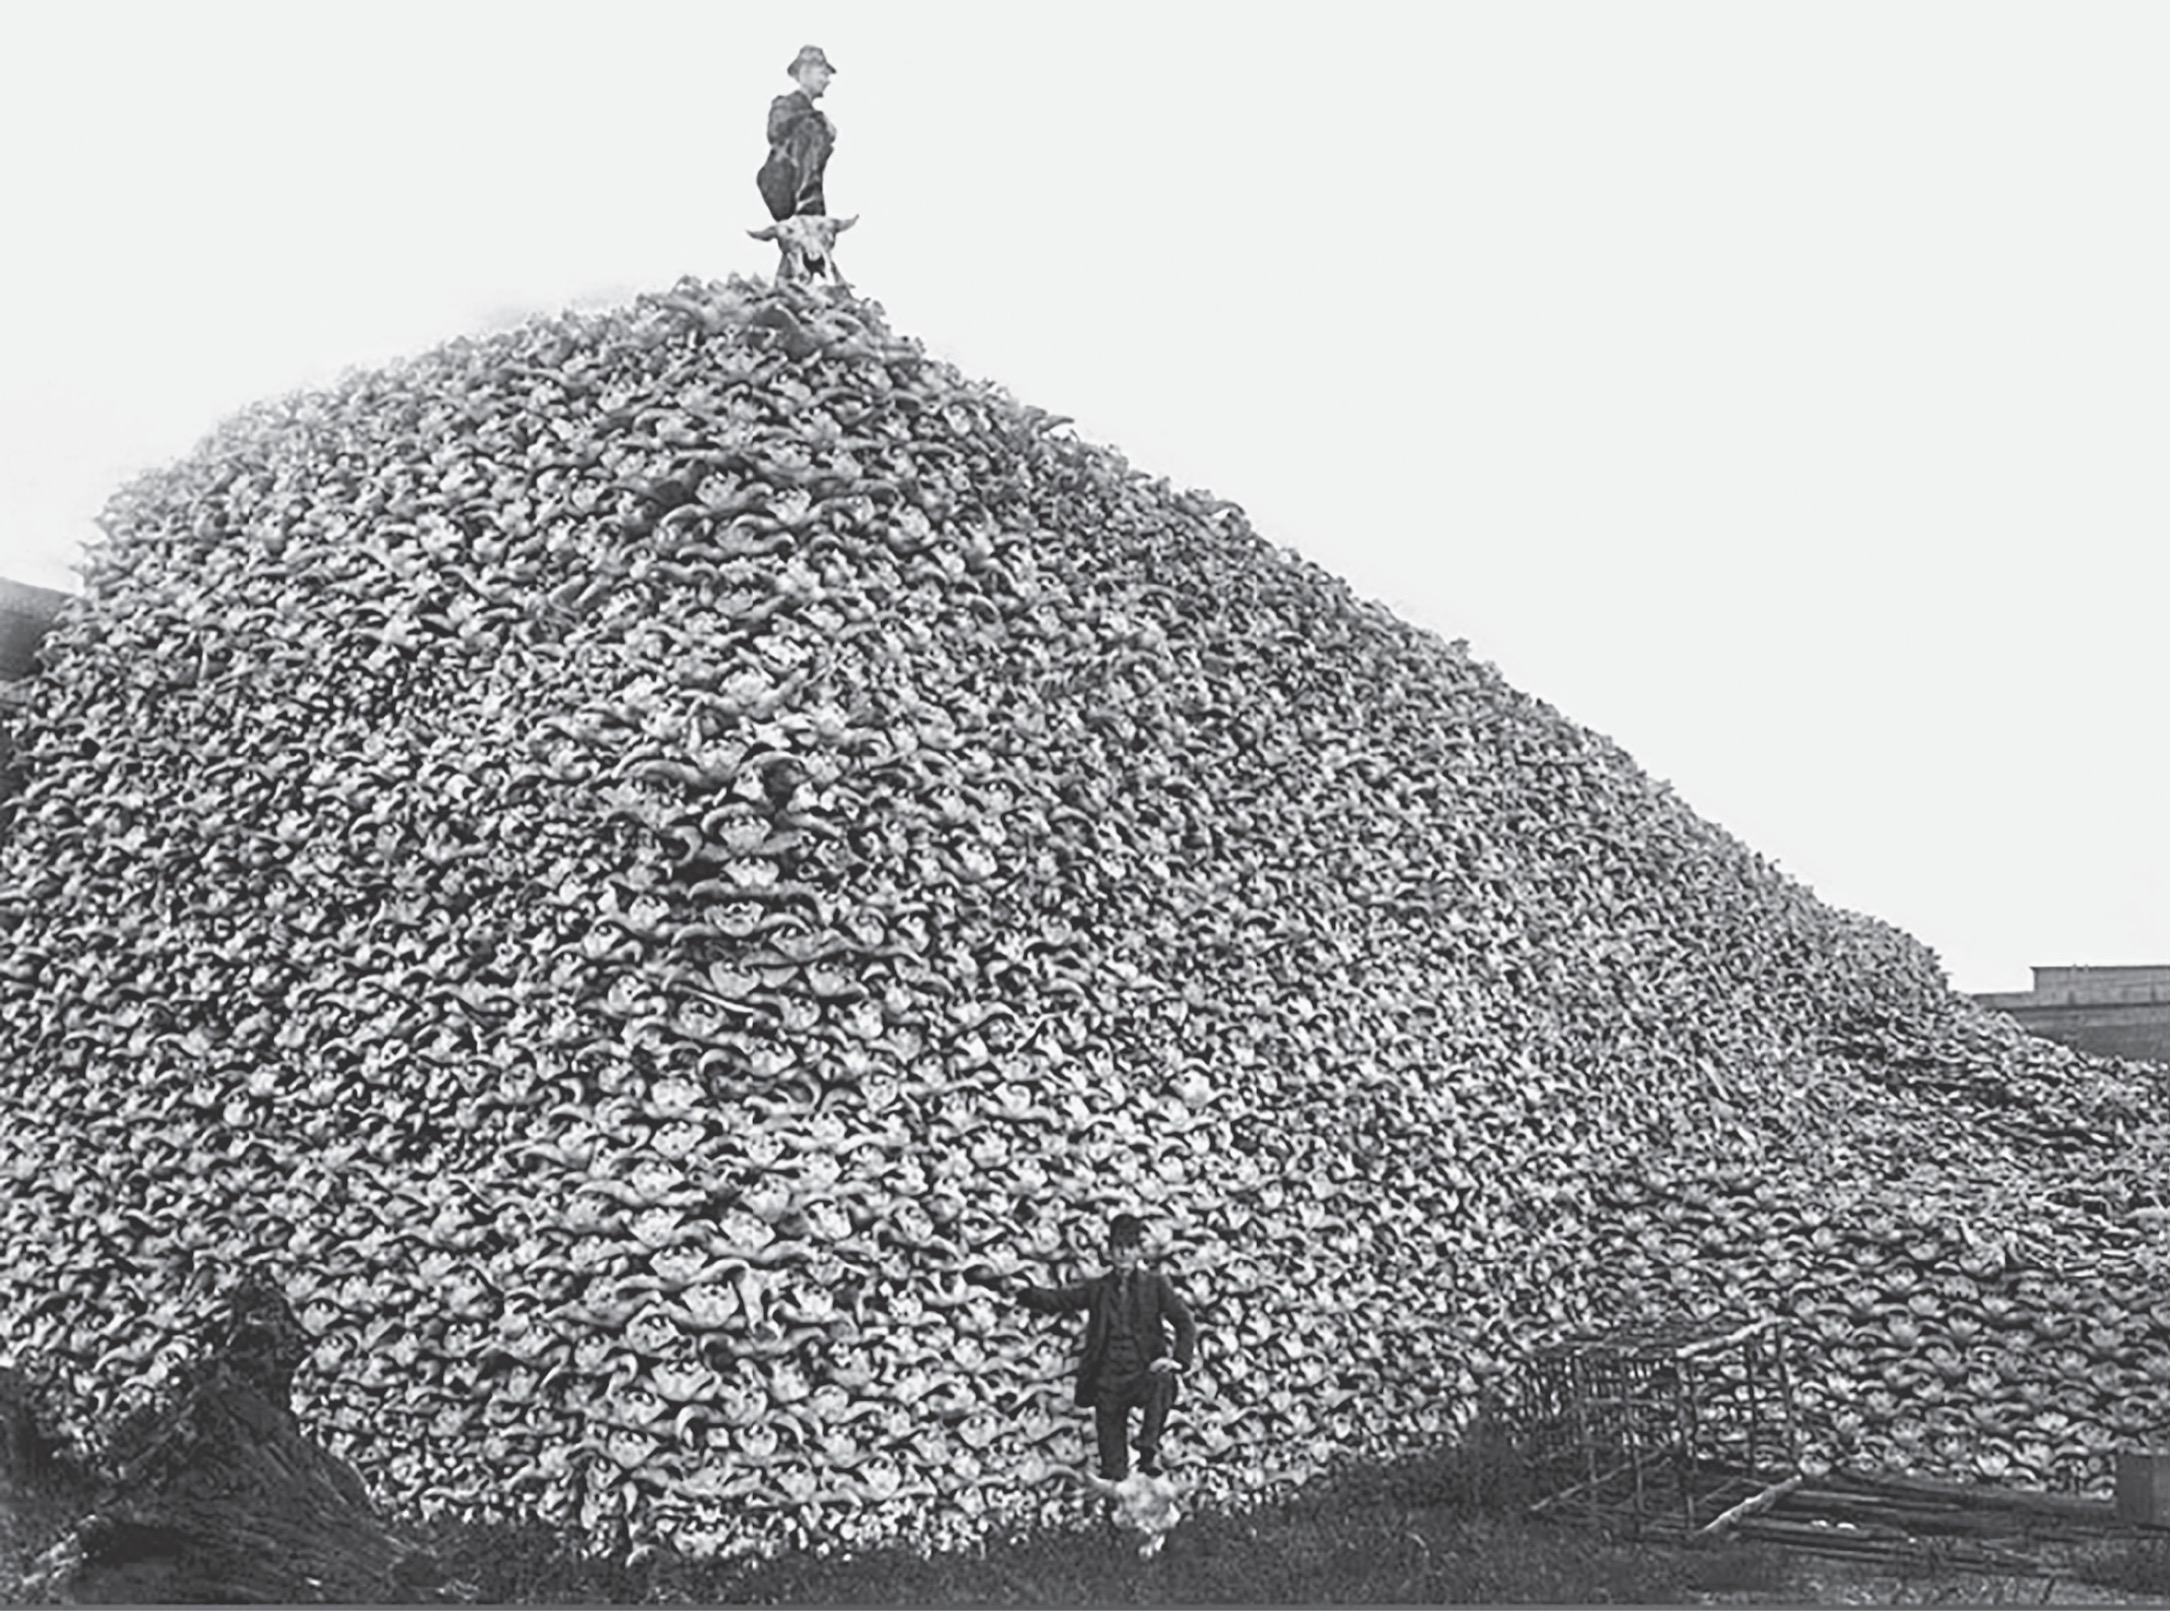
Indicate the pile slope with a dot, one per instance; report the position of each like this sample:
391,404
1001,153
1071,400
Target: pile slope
644,864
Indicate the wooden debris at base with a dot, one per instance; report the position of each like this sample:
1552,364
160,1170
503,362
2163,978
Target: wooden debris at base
1910,1521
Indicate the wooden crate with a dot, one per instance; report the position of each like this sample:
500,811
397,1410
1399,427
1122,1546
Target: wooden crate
2143,1486
1661,1431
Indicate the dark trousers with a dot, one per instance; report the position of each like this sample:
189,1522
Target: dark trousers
1144,1391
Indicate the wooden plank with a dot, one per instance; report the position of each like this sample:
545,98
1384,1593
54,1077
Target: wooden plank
1562,1495
1788,1526
1874,1501
1931,1515
1894,1513
1749,1506
1984,1494
1813,1541
1900,1552
1824,1529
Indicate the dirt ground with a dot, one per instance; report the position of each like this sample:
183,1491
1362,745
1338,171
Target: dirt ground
1817,1581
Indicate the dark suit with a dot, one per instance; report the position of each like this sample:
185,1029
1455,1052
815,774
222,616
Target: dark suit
1112,1393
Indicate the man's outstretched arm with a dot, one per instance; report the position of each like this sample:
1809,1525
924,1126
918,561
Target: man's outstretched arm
1056,1300
1001,1278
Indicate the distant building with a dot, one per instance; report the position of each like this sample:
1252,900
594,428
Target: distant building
25,613
2114,1012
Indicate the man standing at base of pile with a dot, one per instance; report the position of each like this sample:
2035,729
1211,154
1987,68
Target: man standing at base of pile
800,140
1127,1364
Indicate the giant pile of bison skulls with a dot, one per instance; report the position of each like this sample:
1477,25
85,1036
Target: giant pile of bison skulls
643,864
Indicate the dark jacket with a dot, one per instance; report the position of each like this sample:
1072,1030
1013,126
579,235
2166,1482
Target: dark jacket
1157,1307
800,140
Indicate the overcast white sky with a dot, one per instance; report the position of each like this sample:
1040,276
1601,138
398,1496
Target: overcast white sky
1780,389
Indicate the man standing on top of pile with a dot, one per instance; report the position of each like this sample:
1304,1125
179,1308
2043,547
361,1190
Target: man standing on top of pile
800,140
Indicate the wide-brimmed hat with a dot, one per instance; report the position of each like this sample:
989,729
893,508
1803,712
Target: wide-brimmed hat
809,56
